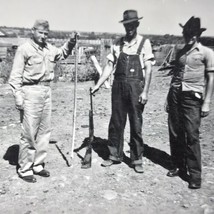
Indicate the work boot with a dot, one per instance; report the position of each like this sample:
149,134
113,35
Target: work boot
109,162
173,172
138,168
43,173
182,173
28,178
194,185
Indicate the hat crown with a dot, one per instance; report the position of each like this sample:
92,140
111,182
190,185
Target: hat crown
130,16
193,26
193,23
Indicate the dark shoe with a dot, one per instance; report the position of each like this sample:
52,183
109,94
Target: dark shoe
173,172
194,185
138,168
109,162
43,173
85,165
183,175
28,178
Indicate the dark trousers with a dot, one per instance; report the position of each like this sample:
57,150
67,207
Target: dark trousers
184,121
125,95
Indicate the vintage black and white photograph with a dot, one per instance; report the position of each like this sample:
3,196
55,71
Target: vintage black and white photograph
106,107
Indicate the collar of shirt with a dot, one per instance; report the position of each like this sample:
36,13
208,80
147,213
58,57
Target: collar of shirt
132,42
37,47
129,48
196,46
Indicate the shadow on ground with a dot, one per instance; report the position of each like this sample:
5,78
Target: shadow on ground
99,146
12,154
158,156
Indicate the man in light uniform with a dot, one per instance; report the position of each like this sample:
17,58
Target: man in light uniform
32,72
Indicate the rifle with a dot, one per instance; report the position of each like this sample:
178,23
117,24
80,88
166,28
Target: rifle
86,162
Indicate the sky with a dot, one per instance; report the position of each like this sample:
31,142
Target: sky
159,16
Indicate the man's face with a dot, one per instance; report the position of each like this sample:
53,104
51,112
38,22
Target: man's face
131,28
40,35
189,39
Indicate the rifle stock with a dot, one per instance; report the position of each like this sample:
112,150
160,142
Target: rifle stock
86,163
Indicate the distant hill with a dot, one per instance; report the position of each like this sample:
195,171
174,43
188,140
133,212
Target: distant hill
26,32
156,40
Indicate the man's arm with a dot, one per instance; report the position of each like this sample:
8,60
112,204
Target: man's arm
106,73
148,59
16,77
143,98
65,50
208,94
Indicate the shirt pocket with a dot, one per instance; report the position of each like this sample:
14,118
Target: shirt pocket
34,66
195,61
35,60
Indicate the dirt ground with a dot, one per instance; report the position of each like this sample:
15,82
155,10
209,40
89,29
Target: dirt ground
117,189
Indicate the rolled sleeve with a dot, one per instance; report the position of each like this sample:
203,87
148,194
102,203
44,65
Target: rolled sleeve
148,55
110,57
113,55
209,60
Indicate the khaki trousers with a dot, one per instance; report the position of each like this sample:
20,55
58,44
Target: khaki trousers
36,129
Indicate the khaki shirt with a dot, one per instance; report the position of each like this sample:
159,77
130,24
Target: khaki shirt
33,63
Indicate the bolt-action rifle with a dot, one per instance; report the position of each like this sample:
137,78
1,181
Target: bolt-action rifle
86,162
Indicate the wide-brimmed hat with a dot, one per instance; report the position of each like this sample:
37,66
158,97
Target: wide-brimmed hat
130,16
41,23
193,27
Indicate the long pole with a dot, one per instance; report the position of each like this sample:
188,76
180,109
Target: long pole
75,101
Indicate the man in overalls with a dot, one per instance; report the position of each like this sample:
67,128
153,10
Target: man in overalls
132,59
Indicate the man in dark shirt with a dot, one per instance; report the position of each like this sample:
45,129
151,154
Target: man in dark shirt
189,99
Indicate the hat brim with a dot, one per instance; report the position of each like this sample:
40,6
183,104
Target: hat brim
200,30
130,20
181,25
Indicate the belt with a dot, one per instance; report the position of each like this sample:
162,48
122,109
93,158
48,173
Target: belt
44,83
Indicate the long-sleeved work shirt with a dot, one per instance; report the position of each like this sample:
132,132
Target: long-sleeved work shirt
33,64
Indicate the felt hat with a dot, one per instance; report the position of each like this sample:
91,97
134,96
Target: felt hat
130,16
193,27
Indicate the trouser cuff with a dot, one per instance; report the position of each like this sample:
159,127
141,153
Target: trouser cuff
137,162
23,174
38,168
113,158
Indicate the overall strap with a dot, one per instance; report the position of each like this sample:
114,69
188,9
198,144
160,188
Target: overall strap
140,46
121,43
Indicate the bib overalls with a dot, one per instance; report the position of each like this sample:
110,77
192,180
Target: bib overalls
127,86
